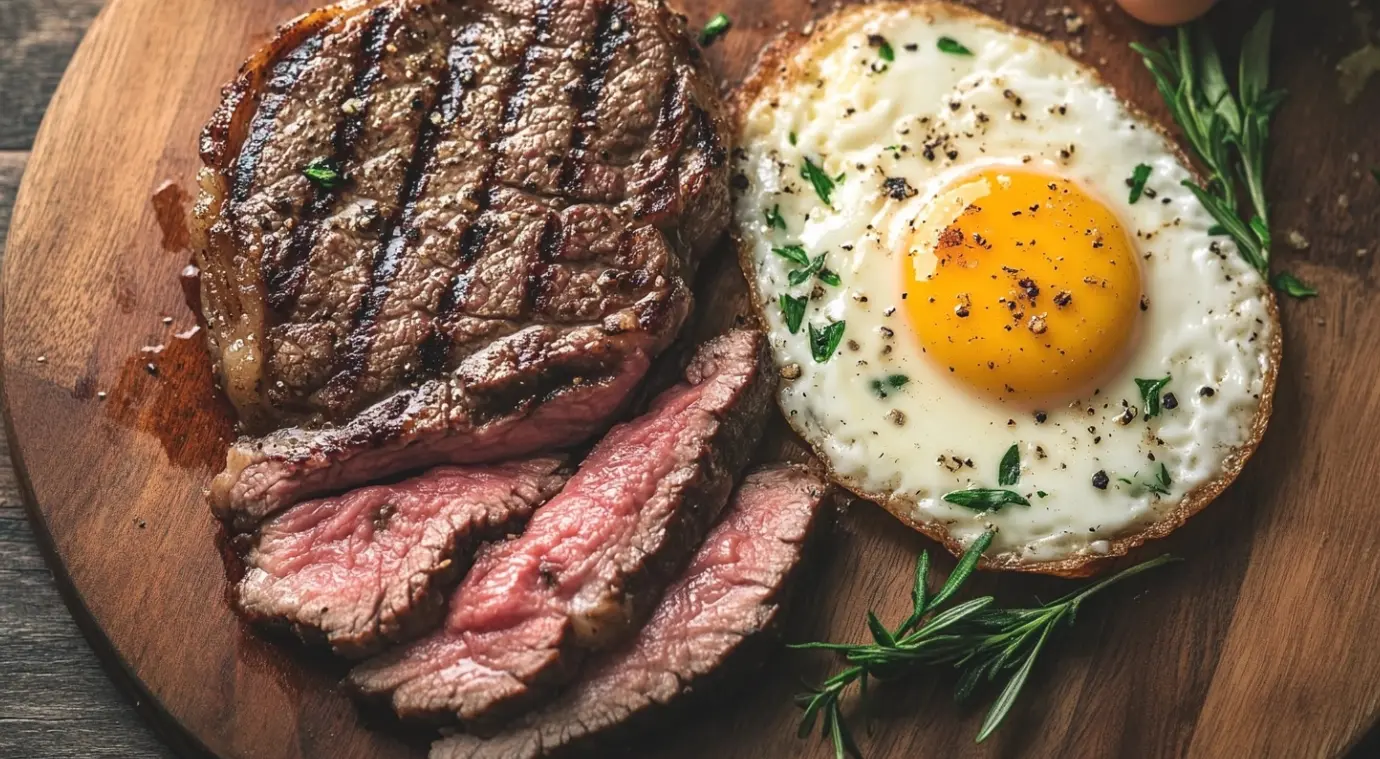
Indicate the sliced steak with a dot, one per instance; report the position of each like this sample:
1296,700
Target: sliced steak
470,205
728,597
373,566
594,560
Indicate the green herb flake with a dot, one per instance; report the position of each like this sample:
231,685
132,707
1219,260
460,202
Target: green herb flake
1137,181
812,267
985,499
897,381
829,277
1292,286
774,219
1150,394
792,138
794,253
792,311
884,49
823,342
1042,493
324,173
824,186
953,47
1010,471
715,28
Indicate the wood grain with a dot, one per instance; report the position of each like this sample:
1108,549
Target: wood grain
1243,649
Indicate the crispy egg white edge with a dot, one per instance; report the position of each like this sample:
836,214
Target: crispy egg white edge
1194,485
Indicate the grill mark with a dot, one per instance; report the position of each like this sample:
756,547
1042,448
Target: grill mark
284,282
611,31
435,348
285,74
394,238
539,273
661,196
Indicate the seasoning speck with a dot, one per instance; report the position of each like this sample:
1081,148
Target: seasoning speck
1100,480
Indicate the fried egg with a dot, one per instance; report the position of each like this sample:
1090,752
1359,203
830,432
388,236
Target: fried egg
992,301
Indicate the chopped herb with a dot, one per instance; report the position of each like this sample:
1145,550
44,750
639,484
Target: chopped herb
1137,181
1292,286
792,138
824,186
884,50
1217,230
828,277
774,218
985,499
793,311
1041,493
1010,472
715,29
823,342
1150,394
801,276
795,253
897,381
323,172
1159,485
953,47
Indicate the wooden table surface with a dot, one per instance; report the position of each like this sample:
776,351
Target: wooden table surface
55,700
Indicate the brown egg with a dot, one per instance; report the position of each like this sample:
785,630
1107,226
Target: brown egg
1166,12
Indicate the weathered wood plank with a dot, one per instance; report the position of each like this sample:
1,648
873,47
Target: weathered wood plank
37,38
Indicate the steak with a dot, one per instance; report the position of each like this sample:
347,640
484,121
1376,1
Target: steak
448,231
370,567
728,597
594,560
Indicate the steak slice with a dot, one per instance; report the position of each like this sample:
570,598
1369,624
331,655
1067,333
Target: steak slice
729,596
372,566
399,193
594,560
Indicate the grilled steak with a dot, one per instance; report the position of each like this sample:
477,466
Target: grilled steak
594,560
448,231
373,566
728,596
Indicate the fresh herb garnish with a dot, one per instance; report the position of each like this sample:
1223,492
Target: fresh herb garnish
1159,485
829,277
1041,493
1010,471
1227,131
793,311
953,47
824,186
323,172
891,381
985,499
823,342
1137,181
1292,286
800,276
795,253
792,138
976,638
715,28
884,50
774,219
1150,394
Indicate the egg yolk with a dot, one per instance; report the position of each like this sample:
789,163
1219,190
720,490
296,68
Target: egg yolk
1021,286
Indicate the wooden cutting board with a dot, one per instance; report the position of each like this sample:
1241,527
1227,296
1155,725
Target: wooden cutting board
1261,644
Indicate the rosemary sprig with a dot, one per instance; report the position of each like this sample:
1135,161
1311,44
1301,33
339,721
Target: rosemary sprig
981,641
1227,130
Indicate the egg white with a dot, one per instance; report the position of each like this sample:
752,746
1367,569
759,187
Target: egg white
1210,319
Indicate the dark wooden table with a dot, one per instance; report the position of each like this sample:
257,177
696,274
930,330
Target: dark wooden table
55,699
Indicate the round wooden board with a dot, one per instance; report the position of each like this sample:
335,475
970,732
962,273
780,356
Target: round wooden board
1261,643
